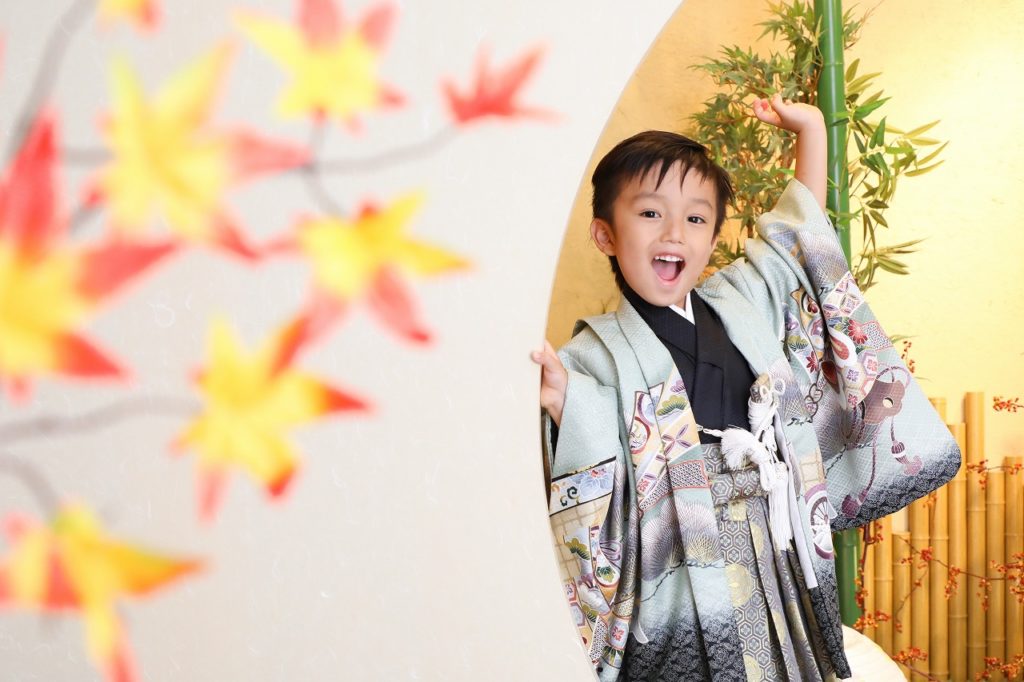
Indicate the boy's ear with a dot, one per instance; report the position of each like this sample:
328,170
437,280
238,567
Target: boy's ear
601,233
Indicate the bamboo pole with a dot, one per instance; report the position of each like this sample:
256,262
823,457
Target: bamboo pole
901,588
938,648
1014,545
974,417
976,559
958,558
847,546
883,583
995,510
832,101
868,579
919,610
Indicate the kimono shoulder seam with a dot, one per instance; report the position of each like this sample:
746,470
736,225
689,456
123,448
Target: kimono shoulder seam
587,352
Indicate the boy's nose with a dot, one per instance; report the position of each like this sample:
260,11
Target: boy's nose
676,232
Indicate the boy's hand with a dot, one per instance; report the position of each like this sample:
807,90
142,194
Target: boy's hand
792,116
811,144
553,381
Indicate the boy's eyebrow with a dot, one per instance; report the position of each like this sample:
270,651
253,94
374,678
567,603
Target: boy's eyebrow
655,195
647,195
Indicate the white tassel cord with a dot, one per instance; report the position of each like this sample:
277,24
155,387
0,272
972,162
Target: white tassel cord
738,445
759,447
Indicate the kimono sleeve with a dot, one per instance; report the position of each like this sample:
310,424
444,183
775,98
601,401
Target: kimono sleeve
589,429
590,499
881,442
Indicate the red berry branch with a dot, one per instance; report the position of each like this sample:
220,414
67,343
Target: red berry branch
1001,404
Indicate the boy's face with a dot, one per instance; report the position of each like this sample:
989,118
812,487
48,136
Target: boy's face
662,237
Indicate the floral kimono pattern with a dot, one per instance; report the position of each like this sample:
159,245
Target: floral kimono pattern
666,559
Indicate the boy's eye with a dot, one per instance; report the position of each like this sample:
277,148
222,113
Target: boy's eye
697,219
649,214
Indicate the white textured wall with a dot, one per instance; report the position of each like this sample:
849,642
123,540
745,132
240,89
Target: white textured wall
414,543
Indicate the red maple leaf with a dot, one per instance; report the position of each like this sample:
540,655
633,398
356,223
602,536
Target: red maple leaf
36,268
494,92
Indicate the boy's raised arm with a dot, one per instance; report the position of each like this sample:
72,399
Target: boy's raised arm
811,144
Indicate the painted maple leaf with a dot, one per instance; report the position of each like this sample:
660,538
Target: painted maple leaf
48,289
168,162
494,92
251,400
71,565
367,259
333,64
145,14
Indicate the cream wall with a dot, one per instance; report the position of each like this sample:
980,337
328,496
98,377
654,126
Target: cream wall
964,301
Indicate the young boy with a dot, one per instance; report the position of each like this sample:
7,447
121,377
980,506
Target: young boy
689,433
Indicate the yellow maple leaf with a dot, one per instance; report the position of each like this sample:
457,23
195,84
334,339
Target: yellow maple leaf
167,161
72,565
333,65
143,13
365,258
251,401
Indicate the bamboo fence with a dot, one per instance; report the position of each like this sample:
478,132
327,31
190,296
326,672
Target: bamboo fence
964,525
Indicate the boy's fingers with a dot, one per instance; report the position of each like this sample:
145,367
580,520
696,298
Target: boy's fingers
542,357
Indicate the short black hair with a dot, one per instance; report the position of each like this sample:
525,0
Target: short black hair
635,156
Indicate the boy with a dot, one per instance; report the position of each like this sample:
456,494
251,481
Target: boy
687,557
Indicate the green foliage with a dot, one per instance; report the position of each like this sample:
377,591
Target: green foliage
761,158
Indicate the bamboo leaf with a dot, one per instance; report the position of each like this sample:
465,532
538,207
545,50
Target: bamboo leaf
851,70
922,171
859,84
879,136
921,129
860,143
867,108
893,267
932,155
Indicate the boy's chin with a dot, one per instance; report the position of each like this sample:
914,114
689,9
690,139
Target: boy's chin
664,299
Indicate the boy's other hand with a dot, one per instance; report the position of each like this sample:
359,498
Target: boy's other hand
553,381
792,116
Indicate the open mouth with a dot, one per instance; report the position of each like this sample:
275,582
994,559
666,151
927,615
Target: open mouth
668,268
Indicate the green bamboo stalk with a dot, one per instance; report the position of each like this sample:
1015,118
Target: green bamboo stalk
832,102
847,545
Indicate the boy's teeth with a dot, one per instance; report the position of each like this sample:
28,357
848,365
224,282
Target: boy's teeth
668,267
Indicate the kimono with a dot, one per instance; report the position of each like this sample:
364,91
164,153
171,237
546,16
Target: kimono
667,561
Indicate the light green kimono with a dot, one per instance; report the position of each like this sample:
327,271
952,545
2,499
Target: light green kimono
658,540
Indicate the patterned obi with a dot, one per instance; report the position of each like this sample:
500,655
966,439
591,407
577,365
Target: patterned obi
727,485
